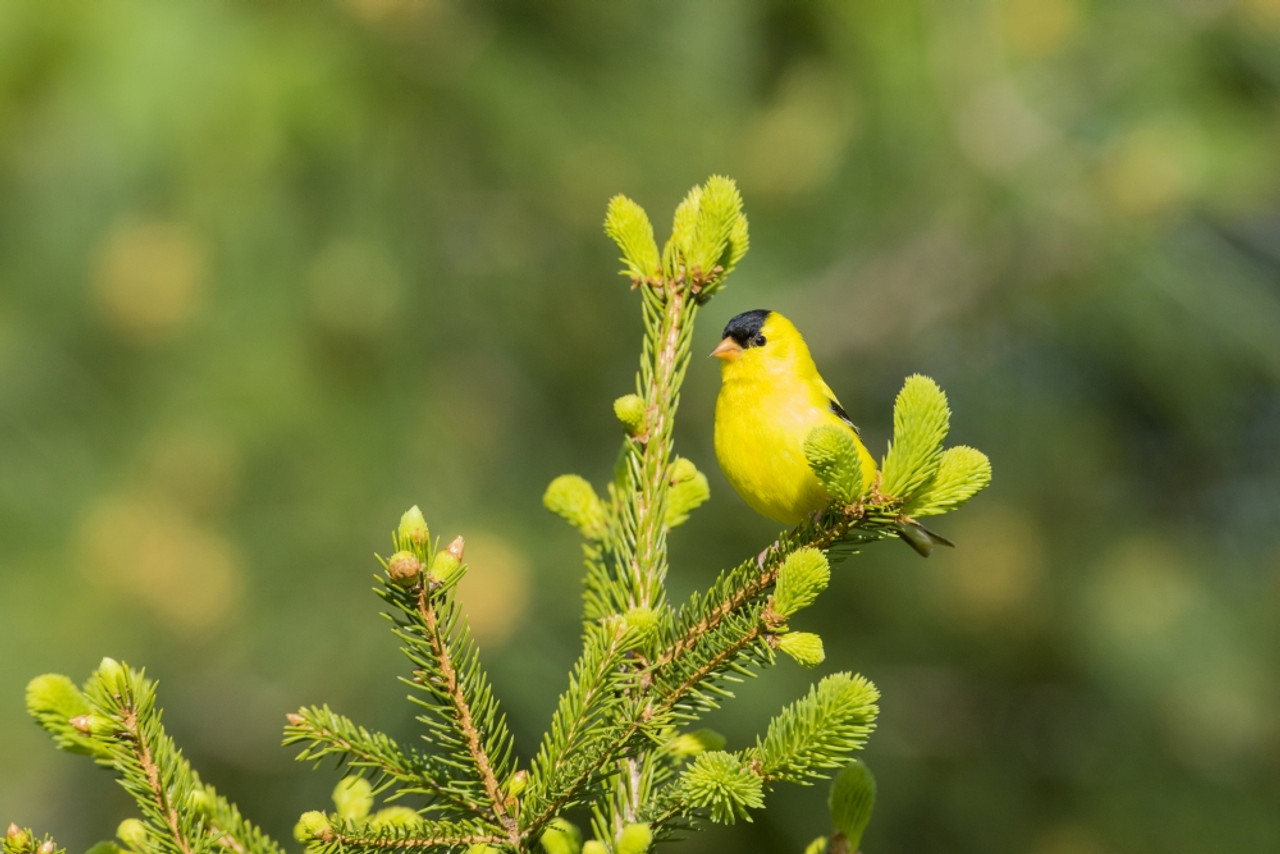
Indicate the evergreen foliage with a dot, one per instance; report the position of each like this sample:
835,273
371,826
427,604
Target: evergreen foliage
620,743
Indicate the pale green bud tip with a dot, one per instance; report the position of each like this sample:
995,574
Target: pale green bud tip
644,622
634,839
683,469
16,837
55,693
46,847
93,724
397,816
595,846
853,795
404,568
804,647
516,785
801,578
698,741
723,784
561,837
200,800
817,846
630,410
312,825
353,797
572,498
448,563
413,527
110,670
133,833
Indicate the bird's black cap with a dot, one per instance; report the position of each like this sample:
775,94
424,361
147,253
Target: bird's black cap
746,326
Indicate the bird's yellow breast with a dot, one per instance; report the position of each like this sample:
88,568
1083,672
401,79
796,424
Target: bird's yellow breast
763,417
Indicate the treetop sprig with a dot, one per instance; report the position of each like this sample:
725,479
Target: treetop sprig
623,741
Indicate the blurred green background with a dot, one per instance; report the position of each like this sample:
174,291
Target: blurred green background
272,272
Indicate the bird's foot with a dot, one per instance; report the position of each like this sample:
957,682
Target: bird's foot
760,558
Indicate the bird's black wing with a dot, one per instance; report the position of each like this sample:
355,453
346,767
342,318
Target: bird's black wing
843,416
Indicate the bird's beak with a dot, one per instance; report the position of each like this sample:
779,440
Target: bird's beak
728,349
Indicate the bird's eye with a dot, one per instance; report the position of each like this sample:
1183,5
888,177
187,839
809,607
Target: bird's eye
758,341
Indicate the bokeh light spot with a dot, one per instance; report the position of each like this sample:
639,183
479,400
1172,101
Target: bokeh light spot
495,590
354,289
1139,595
1068,839
137,548
1039,28
994,587
149,279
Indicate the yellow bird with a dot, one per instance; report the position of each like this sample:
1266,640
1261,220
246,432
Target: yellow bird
771,396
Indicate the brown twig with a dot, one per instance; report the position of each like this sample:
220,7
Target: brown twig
465,720
159,792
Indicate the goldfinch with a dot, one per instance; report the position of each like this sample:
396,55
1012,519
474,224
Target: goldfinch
771,396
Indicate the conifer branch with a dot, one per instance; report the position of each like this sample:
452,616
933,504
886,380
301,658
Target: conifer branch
327,733
452,689
349,836
612,743
580,721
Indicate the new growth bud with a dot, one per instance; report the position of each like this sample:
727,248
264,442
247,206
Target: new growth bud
693,743
853,795
689,490
93,724
801,578
397,816
517,783
133,833
413,527
561,837
16,838
804,647
630,410
644,623
594,846
448,563
353,797
404,568
634,839
832,453
111,672
313,824
54,693
573,499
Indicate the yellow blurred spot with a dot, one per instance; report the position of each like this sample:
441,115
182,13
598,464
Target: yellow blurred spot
141,549
149,279
196,467
354,289
796,144
495,591
1068,839
1039,28
1263,13
1140,594
994,585
1216,719
398,17
1000,130
1152,169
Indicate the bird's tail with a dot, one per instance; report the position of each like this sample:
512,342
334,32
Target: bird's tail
921,538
